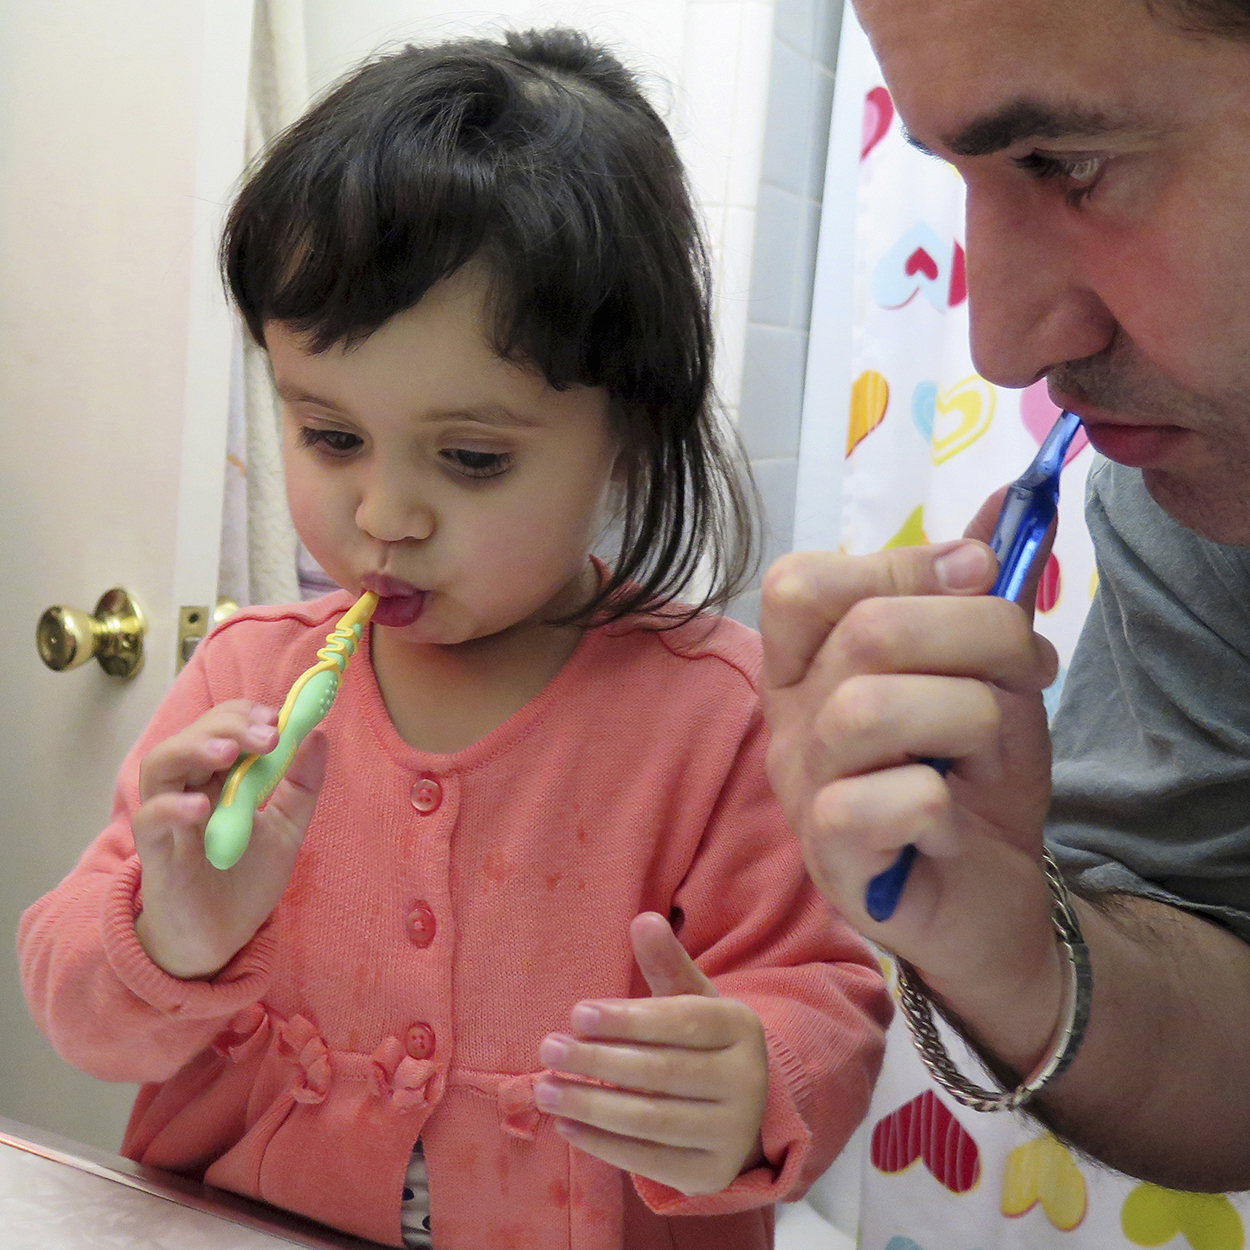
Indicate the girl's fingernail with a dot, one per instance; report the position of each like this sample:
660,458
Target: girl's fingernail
221,748
261,737
962,567
553,1051
263,715
586,1017
546,1096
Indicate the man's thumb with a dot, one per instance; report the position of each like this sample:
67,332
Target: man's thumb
663,960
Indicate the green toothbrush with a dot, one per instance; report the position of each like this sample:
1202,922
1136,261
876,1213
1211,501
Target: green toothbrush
253,778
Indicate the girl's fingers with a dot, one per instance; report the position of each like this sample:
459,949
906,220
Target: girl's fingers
686,1020
286,816
663,961
207,747
682,1122
668,1070
169,820
690,1171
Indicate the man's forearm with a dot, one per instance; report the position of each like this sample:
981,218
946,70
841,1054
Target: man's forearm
1161,1085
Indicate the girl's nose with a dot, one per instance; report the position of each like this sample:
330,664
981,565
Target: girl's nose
1030,305
392,512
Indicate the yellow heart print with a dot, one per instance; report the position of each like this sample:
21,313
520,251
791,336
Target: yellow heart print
912,532
870,396
1044,1171
962,414
1153,1216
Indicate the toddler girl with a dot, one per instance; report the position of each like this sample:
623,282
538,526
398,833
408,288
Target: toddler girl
449,998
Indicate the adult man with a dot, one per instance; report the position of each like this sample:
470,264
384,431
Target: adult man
1106,149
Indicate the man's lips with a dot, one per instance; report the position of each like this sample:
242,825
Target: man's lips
399,603
1136,444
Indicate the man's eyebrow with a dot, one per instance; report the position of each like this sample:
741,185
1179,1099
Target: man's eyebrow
1029,119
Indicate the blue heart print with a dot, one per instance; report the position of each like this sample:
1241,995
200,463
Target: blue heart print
924,409
929,259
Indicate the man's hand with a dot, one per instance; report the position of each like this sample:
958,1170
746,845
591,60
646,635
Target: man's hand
196,917
685,1074
872,664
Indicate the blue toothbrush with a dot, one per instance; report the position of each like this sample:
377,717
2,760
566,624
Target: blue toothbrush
1029,508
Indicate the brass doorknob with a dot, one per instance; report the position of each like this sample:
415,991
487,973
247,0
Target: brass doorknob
113,634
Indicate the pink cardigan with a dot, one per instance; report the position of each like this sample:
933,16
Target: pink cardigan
446,912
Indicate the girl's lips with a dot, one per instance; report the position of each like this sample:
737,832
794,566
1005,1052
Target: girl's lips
383,585
399,610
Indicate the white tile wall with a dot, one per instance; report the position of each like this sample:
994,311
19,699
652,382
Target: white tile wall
803,56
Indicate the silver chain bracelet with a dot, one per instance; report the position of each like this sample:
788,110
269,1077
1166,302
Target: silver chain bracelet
917,1009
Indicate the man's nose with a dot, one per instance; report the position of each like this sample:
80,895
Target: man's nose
1029,304
392,508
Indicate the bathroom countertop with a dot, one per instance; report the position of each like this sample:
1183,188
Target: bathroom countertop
61,1195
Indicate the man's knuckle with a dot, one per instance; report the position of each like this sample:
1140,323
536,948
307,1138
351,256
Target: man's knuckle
853,711
869,634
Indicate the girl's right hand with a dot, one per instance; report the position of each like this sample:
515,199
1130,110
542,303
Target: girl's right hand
195,917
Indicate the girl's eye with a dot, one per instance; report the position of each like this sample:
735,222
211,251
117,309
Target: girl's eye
1085,171
333,442
472,463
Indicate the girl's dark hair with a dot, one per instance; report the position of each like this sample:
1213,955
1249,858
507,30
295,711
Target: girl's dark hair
539,156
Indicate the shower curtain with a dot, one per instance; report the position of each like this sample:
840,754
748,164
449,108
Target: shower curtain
260,553
902,440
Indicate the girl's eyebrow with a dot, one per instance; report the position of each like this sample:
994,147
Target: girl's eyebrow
482,414
292,395
489,414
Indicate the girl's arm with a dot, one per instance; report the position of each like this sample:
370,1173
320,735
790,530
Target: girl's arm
801,1002
93,990
759,929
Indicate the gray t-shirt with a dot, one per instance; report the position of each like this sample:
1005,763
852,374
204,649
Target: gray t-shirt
1152,735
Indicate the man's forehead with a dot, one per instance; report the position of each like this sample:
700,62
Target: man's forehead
981,74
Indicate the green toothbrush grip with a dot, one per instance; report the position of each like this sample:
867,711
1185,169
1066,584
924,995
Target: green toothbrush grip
229,829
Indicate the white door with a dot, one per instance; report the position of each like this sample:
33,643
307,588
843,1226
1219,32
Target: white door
121,131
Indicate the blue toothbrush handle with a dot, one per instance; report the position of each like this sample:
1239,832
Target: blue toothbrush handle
1028,510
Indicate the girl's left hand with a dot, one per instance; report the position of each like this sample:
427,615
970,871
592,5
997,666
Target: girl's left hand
689,1072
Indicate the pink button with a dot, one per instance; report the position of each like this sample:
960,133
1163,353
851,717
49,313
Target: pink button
421,924
427,794
420,1041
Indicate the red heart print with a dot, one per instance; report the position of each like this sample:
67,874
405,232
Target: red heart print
1039,413
878,114
921,262
925,1128
959,277
1049,586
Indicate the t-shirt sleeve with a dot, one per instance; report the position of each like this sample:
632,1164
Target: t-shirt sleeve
755,924
93,991
1152,735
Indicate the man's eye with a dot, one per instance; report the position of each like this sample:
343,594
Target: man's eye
1082,170
336,442
477,463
